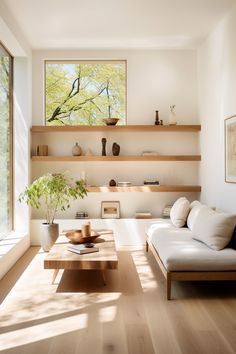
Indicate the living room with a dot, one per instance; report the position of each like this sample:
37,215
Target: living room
171,55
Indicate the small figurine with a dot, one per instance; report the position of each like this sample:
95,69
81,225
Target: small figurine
104,141
157,121
112,183
115,149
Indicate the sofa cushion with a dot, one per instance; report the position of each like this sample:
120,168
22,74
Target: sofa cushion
195,206
179,212
180,252
213,228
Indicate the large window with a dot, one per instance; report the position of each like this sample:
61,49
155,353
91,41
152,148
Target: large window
5,141
85,92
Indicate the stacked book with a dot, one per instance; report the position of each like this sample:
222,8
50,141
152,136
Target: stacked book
151,183
82,248
150,153
166,211
143,215
81,215
124,184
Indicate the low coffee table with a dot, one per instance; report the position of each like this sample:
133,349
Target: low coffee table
106,258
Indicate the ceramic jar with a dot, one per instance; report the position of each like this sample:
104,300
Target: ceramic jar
76,150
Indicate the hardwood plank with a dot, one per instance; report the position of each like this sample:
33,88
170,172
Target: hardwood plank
129,315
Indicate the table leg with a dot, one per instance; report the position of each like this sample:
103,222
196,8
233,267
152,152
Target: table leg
54,275
104,278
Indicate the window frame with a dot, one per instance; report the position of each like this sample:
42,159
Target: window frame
11,142
83,61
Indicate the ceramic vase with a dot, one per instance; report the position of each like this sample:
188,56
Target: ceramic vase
76,150
49,234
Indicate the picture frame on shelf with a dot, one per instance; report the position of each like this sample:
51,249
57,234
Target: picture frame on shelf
230,149
110,210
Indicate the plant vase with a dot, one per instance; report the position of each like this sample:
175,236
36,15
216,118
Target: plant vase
49,234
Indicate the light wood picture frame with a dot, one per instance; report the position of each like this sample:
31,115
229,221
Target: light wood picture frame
230,149
110,210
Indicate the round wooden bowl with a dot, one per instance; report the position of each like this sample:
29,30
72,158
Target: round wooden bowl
111,121
75,236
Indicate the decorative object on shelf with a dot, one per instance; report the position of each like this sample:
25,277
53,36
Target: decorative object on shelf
111,121
124,184
157,121
110,210
76,236
143,215
104,141
42,150
172,116
89,153
53,191
151,183
150,153
112,183
230,149
76,150
83,177
161,122
166,211
115,149
81,215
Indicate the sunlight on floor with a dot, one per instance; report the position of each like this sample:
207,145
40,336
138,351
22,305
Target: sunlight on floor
107,314
147,279
37,332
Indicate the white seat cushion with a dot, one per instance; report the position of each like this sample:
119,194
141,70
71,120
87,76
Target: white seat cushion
180,252
179,212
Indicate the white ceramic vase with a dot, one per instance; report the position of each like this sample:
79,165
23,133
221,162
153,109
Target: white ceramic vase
172,118
49,234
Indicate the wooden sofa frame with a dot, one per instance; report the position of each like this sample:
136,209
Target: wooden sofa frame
188,276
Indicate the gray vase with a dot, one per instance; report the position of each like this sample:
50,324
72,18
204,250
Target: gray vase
49,234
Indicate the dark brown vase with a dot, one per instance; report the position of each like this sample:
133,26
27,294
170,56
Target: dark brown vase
115,149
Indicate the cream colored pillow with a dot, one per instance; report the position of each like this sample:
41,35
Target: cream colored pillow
195,207
213,228
179,212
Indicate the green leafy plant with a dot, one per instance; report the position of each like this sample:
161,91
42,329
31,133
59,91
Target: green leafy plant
54,191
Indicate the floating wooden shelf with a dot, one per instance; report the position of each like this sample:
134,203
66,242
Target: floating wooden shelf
115,128
161,188
118,158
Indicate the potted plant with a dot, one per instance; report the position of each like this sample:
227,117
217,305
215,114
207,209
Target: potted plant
54,192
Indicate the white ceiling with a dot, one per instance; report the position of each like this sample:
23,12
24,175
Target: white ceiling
116,24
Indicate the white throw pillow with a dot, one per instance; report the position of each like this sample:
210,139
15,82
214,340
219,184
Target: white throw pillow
195,206
179,212
213,228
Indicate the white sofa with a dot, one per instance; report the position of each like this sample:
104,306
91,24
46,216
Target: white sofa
182,257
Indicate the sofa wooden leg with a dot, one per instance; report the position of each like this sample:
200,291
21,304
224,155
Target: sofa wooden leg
168,286
146,246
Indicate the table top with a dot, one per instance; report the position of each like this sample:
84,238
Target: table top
106,258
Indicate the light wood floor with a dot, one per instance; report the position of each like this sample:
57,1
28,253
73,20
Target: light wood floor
128,316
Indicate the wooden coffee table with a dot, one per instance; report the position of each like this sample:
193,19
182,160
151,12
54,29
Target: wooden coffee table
106,258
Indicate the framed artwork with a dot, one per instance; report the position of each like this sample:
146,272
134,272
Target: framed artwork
110,210
230,149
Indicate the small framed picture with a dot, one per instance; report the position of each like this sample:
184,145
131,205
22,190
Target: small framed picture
111,210
230,149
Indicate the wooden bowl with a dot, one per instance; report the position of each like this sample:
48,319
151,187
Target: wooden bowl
75,236
111,121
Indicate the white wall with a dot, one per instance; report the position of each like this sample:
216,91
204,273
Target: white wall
217,87
155,80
